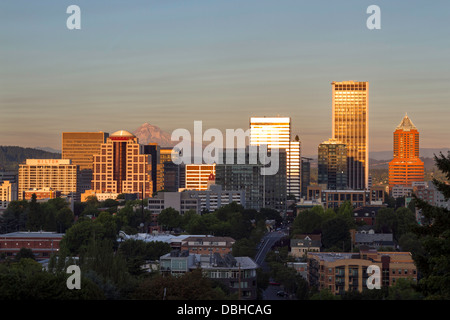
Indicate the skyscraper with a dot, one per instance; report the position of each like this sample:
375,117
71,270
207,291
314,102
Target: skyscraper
121,168
332,165
350,125
80,147
406,167
275,132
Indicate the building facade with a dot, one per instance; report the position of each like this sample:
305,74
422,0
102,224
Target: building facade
197,176
41,243
406,167
80,148
350,125
180,201
335,198
275,132
120,167
343,272
208,245
8,193
237,273
57,174
215,197
261,191
332,165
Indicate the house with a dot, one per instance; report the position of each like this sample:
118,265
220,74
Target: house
304,243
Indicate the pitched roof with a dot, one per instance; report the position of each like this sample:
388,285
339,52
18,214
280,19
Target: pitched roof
406,124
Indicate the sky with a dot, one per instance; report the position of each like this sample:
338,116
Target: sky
173,62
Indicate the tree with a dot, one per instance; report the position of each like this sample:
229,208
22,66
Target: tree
434,232
404,289
336,234
385,220
169,219
24,253
307,221
189,286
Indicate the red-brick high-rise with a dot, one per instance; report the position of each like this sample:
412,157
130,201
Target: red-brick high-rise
406,167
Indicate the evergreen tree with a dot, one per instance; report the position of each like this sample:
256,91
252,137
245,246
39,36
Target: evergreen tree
433,261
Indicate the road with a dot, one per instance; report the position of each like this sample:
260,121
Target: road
266,244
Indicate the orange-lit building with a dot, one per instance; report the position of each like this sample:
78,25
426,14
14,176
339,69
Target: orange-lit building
120,167
406,167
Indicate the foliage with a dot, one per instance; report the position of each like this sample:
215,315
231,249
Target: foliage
26,280
136,252
190,286
434,233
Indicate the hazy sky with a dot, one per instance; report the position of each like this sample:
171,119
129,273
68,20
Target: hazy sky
171,62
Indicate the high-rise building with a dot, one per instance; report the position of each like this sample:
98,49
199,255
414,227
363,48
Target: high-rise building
80,147
332,165
275,132
153,149
172,174
305,176
261,191
350,125
57,174
120,167
406,167
197,176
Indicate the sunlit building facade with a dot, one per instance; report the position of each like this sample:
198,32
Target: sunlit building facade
197,176
57,174
350,125
80,147
406,167
120,166
275,132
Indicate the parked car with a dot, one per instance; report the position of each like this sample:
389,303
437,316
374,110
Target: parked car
281,294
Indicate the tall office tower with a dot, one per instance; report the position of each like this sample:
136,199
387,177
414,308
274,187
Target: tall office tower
332,165
80,147
275,132
260,191
153,149
406,167
197,176
171,172
350,125
57,174
305,176
121,168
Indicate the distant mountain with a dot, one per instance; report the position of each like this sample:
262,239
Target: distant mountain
12,156
147,133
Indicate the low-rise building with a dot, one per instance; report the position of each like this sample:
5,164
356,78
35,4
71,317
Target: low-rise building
208,245
41,194
304,243
335,198
237,273
342,272
180,201
41,243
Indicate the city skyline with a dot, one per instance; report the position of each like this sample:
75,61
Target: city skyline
223,62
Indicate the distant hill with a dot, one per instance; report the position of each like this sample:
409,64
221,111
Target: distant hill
12,156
